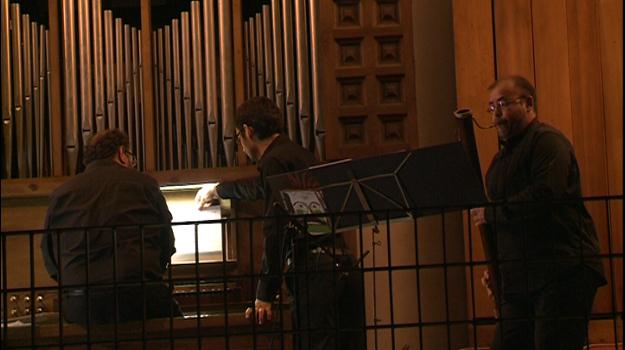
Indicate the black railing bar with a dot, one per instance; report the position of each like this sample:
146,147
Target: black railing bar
525,267
244,276
172,302
197,286
418,277
31,262
60,286
225,282
361,262
611,268
472,282
414,210
306,273
115,291
253,280
88,296
335,281
143,289
374,242
93,286
478,321
446,277
5,293
390,277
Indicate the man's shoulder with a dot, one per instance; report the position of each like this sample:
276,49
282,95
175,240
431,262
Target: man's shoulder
545,128
140,177
547,131
287,149
104,177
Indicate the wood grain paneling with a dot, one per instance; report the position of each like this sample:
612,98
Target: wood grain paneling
367,77
611,41
514,41
588,118
475,68
552,67
586,96
475,71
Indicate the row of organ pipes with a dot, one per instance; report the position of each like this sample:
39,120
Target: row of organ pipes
25,94
190,86
193,75
281,63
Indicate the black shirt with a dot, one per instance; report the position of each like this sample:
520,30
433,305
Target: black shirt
542,227
281,156
107,195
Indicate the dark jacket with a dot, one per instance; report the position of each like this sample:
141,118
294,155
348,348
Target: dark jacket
113,201
281,156
542,227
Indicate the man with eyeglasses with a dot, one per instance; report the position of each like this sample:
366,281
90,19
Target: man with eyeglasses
547,246
109,239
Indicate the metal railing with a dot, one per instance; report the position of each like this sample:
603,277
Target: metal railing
417,285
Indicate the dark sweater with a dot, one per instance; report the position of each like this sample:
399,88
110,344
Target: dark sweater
282,156
107,195
542,227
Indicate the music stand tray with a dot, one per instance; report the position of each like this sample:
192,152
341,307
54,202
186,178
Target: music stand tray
407,184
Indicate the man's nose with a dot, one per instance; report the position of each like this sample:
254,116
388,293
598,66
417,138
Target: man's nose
496,114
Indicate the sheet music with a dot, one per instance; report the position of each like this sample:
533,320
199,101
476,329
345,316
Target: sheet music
303,202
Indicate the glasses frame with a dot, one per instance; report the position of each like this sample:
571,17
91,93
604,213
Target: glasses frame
502,103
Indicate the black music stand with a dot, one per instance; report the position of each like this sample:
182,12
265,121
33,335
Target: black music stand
393,186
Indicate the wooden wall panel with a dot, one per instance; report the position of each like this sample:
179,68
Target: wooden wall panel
475,71
586,96
588,118
513,39
551,67
611,41
367,77
475,68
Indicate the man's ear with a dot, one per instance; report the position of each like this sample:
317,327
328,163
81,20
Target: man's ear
121,156
120,152
529,102
248,131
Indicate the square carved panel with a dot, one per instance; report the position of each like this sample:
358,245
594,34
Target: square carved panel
350,52
351,91
391,89
392,127
388,12
353,130
348,13
389,50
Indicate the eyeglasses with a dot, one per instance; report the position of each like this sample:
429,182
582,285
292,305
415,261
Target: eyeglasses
132,158
503,103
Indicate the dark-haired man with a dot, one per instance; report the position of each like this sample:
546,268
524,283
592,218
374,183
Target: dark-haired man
326,301
113,270
546,240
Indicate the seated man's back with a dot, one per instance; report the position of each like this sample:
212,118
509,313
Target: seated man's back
114,236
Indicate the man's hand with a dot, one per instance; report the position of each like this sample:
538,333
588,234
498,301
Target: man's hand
206,196
477,216
487,282
263,311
